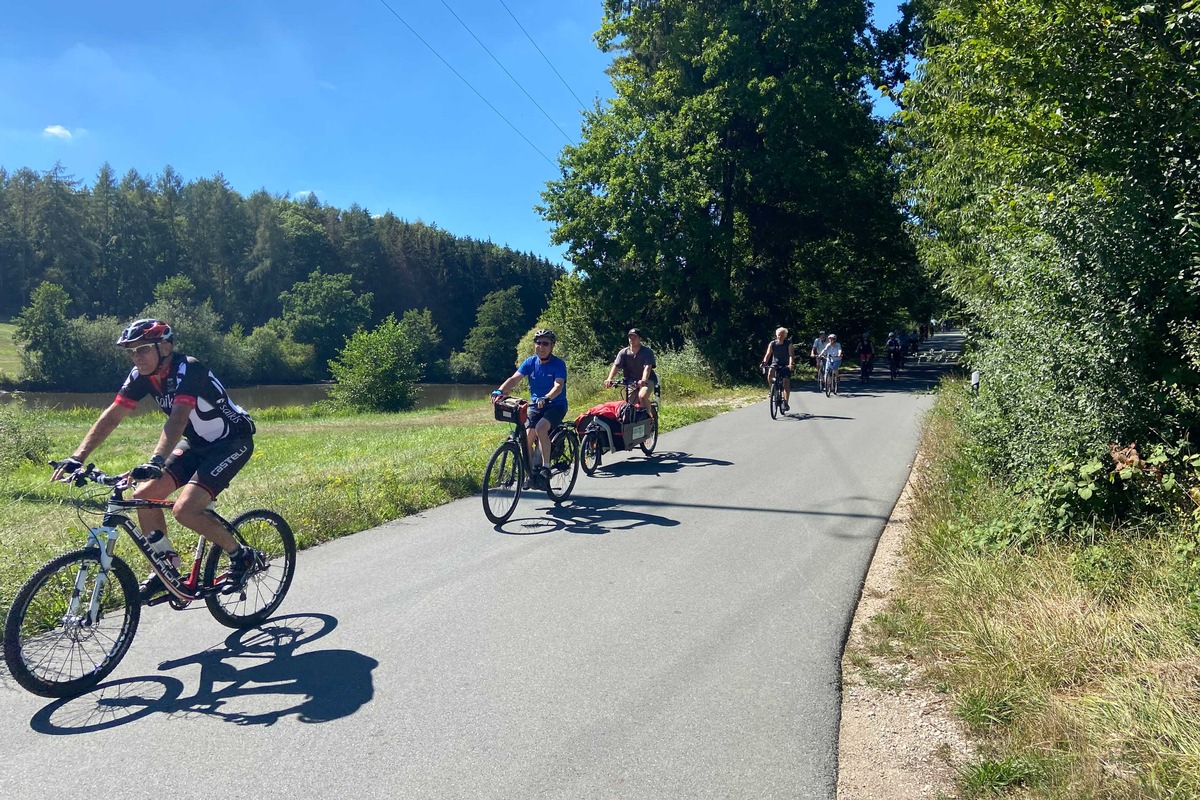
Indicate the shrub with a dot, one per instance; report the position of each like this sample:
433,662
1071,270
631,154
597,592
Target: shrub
464,368
376,370
684,372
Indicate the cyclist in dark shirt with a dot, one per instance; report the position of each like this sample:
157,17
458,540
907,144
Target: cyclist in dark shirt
866,355
206,440
781,355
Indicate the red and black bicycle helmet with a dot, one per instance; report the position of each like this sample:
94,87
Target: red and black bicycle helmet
145,331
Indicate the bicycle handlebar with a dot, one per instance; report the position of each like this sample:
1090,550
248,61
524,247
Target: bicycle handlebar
90,473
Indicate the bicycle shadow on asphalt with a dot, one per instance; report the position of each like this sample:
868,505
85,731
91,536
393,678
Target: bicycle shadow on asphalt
663,463
587,515
804,416
261,662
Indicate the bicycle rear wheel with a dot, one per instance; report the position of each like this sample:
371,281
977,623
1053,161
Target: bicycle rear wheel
54,644
269,534
502,483
564,464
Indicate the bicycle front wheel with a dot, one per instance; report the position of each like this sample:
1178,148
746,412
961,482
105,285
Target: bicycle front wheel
71,624
564,466
502,483
589,453
774,402
269,534
649,445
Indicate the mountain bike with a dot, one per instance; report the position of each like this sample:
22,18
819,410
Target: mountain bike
775,398
504,478
75,618
821,374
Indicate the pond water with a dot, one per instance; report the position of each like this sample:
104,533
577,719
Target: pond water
251,397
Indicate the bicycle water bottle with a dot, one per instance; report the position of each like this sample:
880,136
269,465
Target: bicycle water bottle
160,547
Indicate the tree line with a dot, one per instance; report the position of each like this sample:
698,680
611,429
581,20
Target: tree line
737,182
277,283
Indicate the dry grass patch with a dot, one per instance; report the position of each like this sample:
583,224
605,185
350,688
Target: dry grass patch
1077,665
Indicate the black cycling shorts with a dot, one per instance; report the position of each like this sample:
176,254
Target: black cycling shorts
551,413
211,466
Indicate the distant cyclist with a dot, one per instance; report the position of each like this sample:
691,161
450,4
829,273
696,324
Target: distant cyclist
866,357
781,357
547,374
217,441
832,354
895,351
815,359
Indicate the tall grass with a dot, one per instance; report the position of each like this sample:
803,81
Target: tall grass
1077,667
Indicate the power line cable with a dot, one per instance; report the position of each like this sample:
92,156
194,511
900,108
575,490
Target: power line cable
582,104
468,83
506,72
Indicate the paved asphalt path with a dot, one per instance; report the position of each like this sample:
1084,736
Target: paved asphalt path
674,631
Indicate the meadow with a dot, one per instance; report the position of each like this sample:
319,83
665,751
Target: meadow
329,474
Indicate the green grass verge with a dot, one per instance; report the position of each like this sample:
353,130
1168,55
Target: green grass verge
329,475
1076,667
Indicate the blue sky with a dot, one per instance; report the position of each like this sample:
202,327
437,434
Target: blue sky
337,98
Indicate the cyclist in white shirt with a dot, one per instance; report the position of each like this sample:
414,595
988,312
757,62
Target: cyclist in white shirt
814,355
832,353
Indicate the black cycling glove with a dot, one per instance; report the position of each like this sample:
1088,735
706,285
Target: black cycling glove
151,470
68,466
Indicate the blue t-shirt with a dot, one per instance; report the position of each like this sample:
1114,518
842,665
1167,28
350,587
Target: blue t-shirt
541,378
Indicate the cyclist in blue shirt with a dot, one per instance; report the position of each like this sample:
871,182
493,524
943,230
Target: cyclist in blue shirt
547,374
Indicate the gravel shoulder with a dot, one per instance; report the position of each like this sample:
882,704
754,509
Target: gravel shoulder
899,740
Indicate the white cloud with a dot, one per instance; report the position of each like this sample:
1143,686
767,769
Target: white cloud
328,86
56,132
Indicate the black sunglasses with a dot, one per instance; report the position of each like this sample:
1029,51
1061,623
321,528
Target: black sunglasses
543,343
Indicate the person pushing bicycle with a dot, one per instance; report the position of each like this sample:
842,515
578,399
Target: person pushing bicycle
781,357
205,442
547,375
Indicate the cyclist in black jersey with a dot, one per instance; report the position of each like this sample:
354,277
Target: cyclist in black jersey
206,440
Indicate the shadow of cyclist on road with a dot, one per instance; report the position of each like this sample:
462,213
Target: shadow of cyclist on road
262,662
664,463
585,514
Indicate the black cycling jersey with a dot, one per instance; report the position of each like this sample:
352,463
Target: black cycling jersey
184,380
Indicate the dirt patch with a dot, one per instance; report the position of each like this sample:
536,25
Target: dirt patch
899,739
